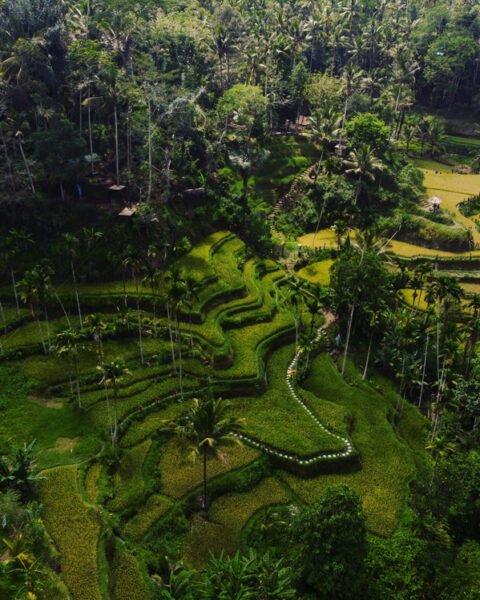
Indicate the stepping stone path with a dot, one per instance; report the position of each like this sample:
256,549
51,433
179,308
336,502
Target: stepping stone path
321,457
286,200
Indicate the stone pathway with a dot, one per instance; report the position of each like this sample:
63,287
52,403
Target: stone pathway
295,392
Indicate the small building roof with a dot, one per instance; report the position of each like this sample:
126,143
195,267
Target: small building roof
128,211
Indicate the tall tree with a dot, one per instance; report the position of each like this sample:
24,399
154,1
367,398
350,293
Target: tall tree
207,426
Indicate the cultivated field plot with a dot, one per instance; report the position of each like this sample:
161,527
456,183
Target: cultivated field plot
235,341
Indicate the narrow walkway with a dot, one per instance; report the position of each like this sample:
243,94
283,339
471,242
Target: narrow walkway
285,200
295,392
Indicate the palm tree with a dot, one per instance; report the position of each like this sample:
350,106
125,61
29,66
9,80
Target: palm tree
13,247
363,164
135,263
440,448
96,326
113,374
207,427
34,291
69,343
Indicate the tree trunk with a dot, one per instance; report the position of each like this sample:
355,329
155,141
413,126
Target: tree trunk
14,285
204,499
47,324
107,398
140,335
40,331
149,189
347,341
4,321
357,191
115,415
180,363
170,333
90,135
117,158
424,369
76,295
27,168
125,299
365,370
80,115
155,334
9,165
63,309
77,382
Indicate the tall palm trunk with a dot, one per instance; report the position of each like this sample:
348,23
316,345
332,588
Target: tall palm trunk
47,325
180,361
140,333
358,189
115,415
117,158
154,294
14,285
149,138
365,370
424,370
4,320
204,499
170,333
77,382
39,325
107,398
90,134
27,168
76,294
63,309
347,341
9,164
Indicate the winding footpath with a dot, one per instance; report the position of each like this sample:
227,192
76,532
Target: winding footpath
295,392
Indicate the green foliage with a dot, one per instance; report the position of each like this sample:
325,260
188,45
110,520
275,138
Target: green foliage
367,128
246,577
243,105
331,544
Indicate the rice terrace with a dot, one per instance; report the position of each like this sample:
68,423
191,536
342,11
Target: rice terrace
239,300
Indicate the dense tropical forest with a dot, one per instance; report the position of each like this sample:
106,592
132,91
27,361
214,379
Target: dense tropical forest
239,299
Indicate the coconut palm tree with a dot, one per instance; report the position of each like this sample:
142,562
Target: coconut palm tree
363,164
13,247
113,373
34,291
206,427
69,343
95,326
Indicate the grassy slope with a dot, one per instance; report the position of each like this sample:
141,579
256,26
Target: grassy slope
387,461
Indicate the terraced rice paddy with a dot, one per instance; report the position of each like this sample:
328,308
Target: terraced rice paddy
236,341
